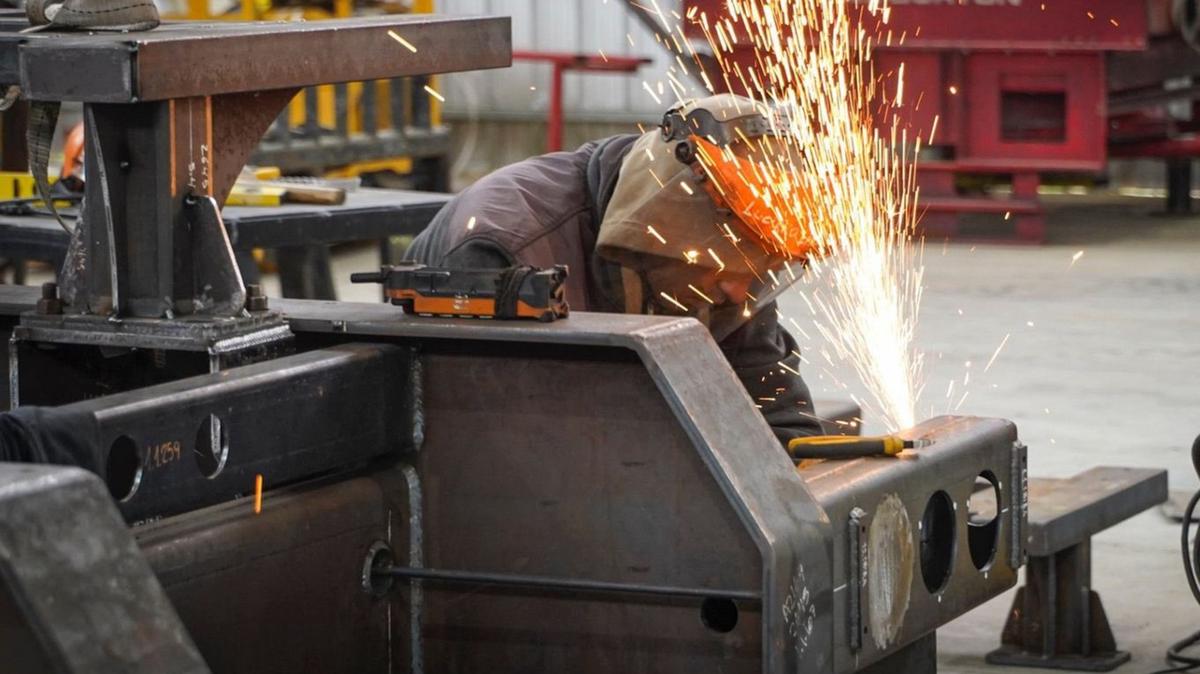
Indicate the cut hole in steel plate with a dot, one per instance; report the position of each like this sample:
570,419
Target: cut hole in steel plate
212,446
983,520
937,541
123,469
379,557
719,614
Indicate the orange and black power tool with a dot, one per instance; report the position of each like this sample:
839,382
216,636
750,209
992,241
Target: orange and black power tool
515,292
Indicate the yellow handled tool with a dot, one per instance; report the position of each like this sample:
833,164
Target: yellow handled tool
850,446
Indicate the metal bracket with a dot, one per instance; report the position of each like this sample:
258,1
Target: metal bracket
857,575
1019,504
219,287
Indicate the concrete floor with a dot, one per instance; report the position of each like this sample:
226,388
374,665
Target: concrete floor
1106,375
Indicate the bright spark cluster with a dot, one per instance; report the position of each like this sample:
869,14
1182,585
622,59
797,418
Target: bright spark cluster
832,177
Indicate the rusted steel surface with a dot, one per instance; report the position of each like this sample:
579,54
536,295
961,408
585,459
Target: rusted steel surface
180,60
75,595
287,419
280,592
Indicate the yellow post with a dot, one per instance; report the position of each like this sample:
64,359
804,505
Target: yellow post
435,106
197,9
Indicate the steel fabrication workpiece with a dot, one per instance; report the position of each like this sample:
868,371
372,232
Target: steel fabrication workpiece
657,474
597,494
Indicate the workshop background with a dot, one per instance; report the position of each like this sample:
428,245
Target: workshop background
1081,328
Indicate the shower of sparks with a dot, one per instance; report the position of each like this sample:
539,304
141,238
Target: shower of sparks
997,352
258,489
407,45
674,301
701,294
717,259
433,92
833,182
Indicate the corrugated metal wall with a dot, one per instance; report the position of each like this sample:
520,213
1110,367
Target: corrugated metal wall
577,26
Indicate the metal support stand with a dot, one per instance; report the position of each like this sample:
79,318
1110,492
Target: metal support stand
560,63
1057,619
151,283
1030,227
1179,185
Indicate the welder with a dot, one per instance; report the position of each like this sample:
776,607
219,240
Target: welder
643,229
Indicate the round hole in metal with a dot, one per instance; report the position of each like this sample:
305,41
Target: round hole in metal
937,541
123,468
983,520
379,557
719,614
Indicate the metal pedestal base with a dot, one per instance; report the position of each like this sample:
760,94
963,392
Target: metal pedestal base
1057,621
1096,662
210,334
59,359
1179,185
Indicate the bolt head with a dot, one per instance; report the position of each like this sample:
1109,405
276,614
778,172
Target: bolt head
256,299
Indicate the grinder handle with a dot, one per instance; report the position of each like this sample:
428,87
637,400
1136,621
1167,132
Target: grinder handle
846,446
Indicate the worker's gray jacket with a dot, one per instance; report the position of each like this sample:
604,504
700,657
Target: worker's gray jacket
547,210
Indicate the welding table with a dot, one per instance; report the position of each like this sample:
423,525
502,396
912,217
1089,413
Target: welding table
295,230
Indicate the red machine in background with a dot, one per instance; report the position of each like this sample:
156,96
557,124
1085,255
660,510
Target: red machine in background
1152,97
1022,88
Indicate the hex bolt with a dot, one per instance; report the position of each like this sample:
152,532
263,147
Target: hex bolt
256,299
49,303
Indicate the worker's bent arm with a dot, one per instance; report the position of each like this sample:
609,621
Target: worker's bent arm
756,351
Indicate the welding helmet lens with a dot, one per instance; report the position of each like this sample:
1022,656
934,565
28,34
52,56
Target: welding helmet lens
748,169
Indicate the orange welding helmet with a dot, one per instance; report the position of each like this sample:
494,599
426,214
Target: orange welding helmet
746,168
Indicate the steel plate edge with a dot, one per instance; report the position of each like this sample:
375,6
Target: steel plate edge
784,520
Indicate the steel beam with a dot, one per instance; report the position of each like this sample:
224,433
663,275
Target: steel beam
174,447
191,59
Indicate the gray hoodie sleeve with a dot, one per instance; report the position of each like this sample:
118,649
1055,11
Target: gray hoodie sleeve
755,352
